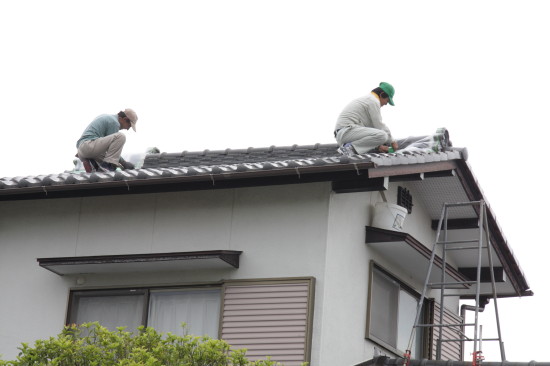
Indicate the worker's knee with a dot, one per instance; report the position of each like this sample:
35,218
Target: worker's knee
119,136
379,137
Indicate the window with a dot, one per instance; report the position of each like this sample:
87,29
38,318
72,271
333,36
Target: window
163,309
200,310
271,317
391,314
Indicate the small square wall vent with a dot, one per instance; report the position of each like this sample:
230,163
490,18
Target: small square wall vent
404,198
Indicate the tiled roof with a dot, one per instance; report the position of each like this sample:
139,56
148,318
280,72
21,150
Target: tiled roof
237,156
211,164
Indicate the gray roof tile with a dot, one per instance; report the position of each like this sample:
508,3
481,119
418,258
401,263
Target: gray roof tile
229,161
235,156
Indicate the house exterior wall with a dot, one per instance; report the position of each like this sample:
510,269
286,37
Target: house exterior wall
280,229
346,282
284,232
345,306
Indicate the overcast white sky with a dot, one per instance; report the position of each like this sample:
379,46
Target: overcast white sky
233,74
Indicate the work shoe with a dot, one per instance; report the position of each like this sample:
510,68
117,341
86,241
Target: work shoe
107,167
90,165
347,149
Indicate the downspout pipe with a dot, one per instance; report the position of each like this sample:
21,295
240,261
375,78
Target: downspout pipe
483,302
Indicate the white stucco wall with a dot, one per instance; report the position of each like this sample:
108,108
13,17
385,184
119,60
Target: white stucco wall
284,231
280,229
347,267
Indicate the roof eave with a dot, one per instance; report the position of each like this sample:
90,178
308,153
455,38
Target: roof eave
274,176
498,239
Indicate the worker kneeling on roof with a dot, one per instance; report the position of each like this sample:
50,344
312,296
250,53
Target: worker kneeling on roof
360,129
101,143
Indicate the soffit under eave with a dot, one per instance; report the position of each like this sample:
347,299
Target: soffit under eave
463,187
404,251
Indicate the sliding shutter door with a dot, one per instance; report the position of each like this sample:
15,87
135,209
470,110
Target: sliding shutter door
271,319
451,350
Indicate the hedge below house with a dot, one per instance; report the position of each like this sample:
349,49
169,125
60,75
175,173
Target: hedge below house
94,345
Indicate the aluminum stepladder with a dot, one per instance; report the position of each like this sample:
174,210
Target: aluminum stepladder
483,242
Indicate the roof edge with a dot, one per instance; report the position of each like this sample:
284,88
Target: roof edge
498,239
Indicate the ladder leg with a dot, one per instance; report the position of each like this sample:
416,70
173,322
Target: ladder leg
442,287
478,275
494,289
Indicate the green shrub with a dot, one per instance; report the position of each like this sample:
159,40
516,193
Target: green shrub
94,345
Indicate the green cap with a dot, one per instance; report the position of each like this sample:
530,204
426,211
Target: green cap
388,89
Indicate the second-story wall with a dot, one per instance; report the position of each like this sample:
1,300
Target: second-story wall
348,265
280,229
284,231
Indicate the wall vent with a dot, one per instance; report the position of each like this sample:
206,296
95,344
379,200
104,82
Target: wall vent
404,199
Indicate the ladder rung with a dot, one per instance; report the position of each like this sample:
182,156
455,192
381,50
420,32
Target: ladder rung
460,248
446,325
464,292
453,340
452,283
458,241
468,340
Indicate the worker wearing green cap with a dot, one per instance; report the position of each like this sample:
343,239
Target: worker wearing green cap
359,128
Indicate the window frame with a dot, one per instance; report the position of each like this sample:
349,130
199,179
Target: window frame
423,338
72,307
222,286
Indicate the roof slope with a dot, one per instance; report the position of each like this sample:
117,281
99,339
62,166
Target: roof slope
238,156
164,168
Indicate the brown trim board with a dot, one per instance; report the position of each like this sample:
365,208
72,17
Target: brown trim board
376,235
405,170
499,242
229,256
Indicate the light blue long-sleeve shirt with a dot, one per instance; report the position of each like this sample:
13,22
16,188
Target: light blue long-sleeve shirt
101,126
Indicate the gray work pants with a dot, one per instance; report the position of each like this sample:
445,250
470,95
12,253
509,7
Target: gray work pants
366,139
363,139
106,148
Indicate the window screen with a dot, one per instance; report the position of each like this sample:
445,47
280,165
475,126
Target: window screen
198,309
111,309
406,315
384,308
392,311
